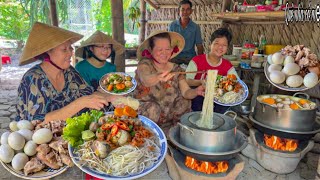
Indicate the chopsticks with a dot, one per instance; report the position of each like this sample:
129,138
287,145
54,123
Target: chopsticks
189,72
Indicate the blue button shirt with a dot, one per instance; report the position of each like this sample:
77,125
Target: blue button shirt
191,34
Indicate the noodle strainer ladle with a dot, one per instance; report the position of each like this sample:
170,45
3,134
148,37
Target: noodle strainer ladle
217,121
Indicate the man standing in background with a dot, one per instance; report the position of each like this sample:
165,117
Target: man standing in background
190,31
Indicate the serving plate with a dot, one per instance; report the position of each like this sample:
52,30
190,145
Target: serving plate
134,82
243,98
163,151
45,173
283,86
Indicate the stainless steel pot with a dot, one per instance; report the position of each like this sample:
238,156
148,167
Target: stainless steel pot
221,139
241,141
285,119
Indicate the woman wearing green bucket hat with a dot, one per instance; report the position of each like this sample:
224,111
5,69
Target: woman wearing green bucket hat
94,51
162,88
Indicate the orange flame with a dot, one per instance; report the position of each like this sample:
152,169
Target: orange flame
206,167
282,144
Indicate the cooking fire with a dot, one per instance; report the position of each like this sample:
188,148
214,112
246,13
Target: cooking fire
206,167
282,144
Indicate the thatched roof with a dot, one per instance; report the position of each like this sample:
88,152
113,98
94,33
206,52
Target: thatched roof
176,2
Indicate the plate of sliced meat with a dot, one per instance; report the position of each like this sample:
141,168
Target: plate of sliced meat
34,150
43,171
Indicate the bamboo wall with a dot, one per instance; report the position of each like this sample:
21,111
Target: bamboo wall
307,34
200,13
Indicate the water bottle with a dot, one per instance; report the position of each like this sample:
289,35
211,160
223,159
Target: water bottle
262,44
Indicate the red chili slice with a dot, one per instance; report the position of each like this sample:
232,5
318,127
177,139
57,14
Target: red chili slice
106,126
123,125
114,130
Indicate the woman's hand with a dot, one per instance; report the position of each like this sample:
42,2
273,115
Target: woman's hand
165,76
94,101
200,90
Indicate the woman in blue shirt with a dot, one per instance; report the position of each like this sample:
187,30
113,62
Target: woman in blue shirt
95,50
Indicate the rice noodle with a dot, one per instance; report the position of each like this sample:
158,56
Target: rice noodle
124,160
206,120
128,159
230,97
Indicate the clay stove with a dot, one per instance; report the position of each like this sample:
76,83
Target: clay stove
180,169
194,164
277,161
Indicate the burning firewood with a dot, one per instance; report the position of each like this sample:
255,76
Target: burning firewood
206,167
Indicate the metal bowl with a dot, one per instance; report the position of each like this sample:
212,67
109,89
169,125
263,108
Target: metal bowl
241,142
243,108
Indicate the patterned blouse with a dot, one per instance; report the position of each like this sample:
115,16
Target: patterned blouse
37,96
163,103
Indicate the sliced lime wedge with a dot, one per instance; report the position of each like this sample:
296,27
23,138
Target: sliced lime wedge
87,135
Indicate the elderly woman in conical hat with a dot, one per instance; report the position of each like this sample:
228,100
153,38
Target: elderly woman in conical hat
163,93
95,51
53,90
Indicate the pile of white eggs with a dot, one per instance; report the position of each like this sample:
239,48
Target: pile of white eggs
284,69
20,144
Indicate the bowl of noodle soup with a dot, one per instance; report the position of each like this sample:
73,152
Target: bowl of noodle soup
233,98
140,160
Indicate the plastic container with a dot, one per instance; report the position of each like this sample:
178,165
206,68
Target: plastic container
271,49
236,51
247,51
257,60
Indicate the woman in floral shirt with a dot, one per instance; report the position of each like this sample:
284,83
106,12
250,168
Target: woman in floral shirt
163,93
53,90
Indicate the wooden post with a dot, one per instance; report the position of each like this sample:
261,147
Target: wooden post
118,31
142,28
225,5
53,13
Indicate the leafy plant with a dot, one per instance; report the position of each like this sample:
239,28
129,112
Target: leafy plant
14,22
40,10
134,14
103,16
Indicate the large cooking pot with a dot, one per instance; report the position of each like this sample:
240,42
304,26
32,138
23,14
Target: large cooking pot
221,139
241,141
285,119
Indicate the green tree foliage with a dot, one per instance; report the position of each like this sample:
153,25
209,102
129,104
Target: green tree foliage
38,10
131,15
103,16
14,22
17,17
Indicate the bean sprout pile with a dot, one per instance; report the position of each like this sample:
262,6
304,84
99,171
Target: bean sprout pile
122,161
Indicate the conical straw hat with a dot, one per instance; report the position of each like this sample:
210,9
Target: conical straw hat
44,37
99,38
176,40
